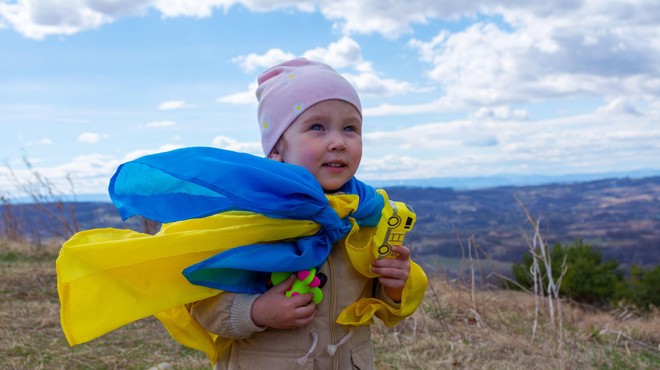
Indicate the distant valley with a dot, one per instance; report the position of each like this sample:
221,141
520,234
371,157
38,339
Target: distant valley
621,216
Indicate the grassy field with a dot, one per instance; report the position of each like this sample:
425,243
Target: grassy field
453,329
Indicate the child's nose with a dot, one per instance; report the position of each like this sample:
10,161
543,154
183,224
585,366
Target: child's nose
337,142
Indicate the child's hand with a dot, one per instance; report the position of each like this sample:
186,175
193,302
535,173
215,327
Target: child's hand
275,310
393,272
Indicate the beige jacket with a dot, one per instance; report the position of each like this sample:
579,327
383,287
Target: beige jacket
323,344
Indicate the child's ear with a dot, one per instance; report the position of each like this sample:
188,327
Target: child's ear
275,155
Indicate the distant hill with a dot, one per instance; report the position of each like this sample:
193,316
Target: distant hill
621,216
485,182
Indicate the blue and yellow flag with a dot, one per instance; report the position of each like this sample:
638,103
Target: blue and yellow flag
229,220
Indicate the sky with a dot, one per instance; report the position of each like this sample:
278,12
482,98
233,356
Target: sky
449,89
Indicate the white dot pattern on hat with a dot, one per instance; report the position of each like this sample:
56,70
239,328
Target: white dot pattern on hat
298,107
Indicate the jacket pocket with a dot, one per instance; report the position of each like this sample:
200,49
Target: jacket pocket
362,357
251,360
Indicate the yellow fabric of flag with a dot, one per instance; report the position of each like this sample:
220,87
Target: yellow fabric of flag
107,278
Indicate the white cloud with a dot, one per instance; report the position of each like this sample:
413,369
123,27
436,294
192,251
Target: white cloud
619,106
381,168
89,137
88,174
502,112
178,8
434,136
39,18
224,142
173,104
443,104
548,52
603,141
204,8
344,53
481,65
142,152
158,124
254,61
372,16
245,97
42,141
513,53
369,83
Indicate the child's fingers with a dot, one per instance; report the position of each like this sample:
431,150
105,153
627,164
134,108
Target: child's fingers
285,285
392,269
397,273
395,263
299,300
305,309
305,315
391,282
402,251
305,306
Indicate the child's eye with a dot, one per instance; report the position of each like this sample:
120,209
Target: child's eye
316,127
350,129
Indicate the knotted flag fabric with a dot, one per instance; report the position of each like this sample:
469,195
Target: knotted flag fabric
200,181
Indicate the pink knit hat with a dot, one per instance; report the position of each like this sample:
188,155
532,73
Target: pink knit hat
288,89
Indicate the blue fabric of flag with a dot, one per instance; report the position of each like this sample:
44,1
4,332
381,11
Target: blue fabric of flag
201,181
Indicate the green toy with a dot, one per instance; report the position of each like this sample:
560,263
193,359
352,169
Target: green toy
306,282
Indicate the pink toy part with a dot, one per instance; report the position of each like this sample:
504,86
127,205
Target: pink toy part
315,282
302,275
295,294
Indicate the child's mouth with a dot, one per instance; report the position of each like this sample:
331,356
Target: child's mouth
334,165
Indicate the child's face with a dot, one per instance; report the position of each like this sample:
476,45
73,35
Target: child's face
326,139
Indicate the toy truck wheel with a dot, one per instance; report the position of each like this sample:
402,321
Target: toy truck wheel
384,250
393,221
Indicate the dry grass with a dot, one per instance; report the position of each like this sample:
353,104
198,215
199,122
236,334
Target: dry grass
446,332
31,336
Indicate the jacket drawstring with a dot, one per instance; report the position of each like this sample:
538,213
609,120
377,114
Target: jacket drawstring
315,340
332,348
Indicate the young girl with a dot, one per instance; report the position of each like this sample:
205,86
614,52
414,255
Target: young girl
229,220
309,116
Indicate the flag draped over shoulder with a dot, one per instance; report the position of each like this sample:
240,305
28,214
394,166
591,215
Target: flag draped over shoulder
229,220
200,181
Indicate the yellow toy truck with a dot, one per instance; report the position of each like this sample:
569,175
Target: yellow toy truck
396,221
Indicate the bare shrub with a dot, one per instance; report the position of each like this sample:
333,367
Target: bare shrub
11,228
51,211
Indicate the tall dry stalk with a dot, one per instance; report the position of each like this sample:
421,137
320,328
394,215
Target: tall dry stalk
474,264
473,254
540,253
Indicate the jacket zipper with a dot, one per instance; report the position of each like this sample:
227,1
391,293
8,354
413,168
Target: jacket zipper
333,308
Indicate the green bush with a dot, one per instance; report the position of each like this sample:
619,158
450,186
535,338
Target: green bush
588,278
643,287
